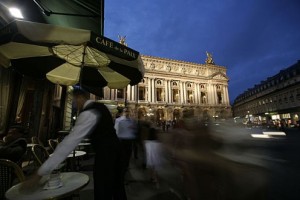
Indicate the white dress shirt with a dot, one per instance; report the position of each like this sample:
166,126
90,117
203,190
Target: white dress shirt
126,128
83,126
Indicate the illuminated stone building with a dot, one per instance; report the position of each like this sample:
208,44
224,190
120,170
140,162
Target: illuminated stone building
276,98
170,87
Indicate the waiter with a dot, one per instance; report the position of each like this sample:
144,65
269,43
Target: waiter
95,122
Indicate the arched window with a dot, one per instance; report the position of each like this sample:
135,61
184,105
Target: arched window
158,82
175,84
189,85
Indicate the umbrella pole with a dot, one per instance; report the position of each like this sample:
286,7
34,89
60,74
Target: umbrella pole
125,97
82,65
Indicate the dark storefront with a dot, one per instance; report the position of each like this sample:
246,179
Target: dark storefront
30,99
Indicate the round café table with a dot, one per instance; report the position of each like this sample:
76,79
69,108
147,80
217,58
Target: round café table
77,154
71,183
83,145
29,145
74,155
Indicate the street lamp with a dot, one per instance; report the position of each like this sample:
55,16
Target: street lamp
15,12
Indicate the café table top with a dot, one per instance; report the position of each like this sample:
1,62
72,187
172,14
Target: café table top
77,154
84,144
64,132
71,182
30,145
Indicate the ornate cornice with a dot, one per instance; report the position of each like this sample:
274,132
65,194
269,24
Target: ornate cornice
182,68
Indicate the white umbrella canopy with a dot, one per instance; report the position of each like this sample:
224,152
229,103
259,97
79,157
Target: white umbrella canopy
86,58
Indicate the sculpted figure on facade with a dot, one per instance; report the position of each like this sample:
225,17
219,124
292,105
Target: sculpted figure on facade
168,68
122,40
209,59
152,66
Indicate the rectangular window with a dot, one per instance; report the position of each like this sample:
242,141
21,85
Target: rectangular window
219,96
190,96
175,95
120,93
142,94
203,98
160,94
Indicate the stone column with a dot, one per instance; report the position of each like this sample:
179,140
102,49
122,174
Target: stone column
115,94
224,98
166,91
153,91
227,95
199,94
128,93
181,92
215,94
211,94
136,95
196,93
184,93
149,90
169,91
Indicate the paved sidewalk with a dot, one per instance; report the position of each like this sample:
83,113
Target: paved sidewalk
138,185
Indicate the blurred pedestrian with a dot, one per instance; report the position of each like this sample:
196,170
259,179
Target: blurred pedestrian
126,129
154,154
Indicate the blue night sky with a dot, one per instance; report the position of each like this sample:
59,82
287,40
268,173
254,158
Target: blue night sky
254,39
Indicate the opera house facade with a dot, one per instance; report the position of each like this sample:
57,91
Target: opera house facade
171,87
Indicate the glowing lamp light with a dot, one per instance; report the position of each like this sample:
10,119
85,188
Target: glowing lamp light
275,133
260,136
15,12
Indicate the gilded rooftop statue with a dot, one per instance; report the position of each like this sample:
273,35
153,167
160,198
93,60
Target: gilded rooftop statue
209,59
122,40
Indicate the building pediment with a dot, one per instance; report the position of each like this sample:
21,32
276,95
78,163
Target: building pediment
219,76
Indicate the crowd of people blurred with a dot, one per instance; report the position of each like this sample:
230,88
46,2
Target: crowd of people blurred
183,154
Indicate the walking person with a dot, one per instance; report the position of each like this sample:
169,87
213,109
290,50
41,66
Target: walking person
126,129
95,122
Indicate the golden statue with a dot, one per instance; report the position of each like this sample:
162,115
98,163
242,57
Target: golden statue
122,40
209,59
